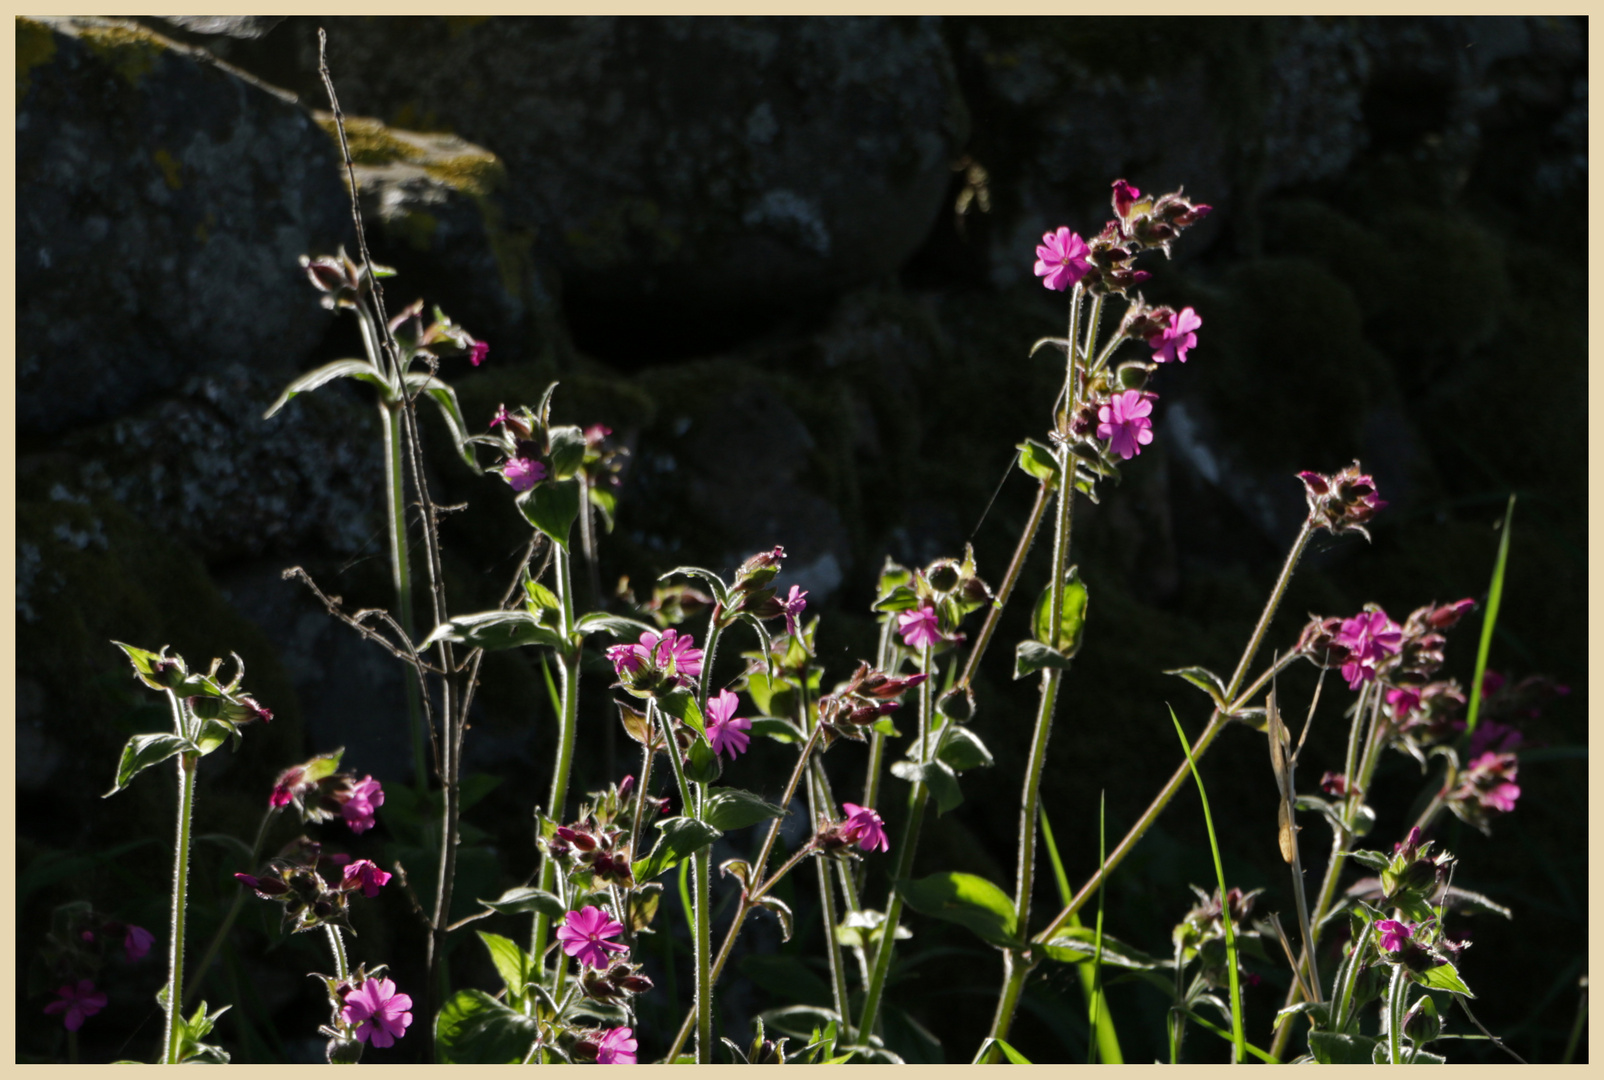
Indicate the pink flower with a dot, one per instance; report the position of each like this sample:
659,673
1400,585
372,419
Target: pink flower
725,730
864,827
794,605
1403,702
1394,934
477,352
675,651
1125,196
1370,637
1491,735
522,474
136,942
617,1047
78,1002
920,627
628,659
1061,259
584,935
365,797
1334,783
1490,779
1172,342
381,1014
365,875
1124,423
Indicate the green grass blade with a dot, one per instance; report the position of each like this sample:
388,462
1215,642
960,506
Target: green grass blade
1097,953
1239,1044
1495,595
1108,1050
551,685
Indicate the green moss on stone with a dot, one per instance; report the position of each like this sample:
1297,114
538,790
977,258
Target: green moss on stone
129,51
36,45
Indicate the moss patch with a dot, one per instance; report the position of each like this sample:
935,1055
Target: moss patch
130,52
36,45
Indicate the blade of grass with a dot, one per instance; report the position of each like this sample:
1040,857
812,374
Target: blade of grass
1495,594
1097,952
1262,1055
1239,1044
1107,1038
1014,1056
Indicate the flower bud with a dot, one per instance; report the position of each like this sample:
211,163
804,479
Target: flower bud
344,1051
1421,1023
1344,501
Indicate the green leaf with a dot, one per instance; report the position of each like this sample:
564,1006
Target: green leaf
339,369
777,728
964,750
721,591
616,625
681,705
603,499
1071,620
493,630
937,776
1330,1048
1444,977
552,507
475,1029
567,450
966,899
731,808
1014,1056
1038,461
141,753
445,397
1206,681
1078,944
144,662
526,899
540,598
702,764
1374,860
1495,596
1032,656
512,963
682,837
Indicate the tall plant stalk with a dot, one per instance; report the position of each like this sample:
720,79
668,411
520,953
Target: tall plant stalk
568,699
187,765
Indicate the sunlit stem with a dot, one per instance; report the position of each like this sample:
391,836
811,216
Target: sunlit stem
188,762
568,698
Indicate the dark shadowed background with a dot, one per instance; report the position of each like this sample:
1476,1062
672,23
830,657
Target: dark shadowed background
788,261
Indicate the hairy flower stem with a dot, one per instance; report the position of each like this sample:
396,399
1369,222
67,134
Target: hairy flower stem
1006,589
757,891
337,947
910,837
817,808
1216,724
1358,785
187,764
233,912
877,740
568,697
700,865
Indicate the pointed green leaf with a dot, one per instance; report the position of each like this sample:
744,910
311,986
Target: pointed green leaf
616,625
526,899
445,397
964,750
540,598
339,369
721,591
681,704
1444,977
1330,1048
512,963
567,450
731,808
143,751
702,764
1032,656
1071,620
682,837
1206,681
966,899
1078,944
475,1029
777,728
937,776
1038,461
552,507
493,630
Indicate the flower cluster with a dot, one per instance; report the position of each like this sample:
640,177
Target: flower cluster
310,900
442,337
588,845
1202,932
863,699
1418,946
1413,876
1104,264
657,663
605,971
615,1046
1342,502
318,793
